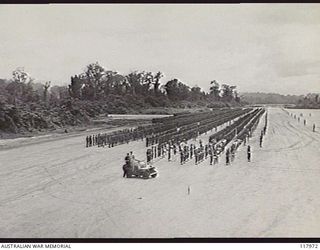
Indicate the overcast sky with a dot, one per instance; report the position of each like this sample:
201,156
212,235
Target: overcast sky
258,47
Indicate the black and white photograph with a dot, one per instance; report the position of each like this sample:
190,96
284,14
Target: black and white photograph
160,121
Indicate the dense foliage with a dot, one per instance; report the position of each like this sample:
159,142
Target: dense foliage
310,101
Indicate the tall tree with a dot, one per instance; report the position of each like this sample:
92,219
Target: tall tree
215,89
115,83
156,81
227,92
75,87
135,80
177,90
171,88
93,76
45,92
195,93
20,79
20,76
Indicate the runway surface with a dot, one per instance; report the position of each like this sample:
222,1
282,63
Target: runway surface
59,188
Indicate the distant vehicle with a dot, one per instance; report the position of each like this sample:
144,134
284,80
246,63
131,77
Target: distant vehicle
139,169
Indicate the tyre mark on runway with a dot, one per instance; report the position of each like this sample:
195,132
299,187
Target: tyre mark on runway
42,188
41,165
23,194
295,146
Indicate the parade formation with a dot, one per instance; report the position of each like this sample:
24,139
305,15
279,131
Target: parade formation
177,137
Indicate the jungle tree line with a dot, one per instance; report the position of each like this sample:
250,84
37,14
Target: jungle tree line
96,83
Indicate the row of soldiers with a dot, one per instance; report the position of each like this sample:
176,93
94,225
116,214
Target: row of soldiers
263,131
192,130
141,132
232,130
172,146
119,137
212,149
102,140
246,128
115,138
244,135
186,151
160,133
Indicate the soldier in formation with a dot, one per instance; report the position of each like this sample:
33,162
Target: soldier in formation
249,153
228,156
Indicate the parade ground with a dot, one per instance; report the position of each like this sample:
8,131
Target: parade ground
60,188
